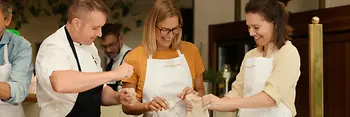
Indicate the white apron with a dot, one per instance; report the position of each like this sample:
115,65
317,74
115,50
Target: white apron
167,78
6,109
257,72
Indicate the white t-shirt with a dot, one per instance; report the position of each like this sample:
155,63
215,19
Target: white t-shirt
119,58
55,54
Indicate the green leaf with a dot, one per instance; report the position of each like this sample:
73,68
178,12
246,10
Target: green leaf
129,4
60,9
46,12
138,23
213,76
18,25
126,29
125,11
116,15
51,2
63,20
116,5
35,11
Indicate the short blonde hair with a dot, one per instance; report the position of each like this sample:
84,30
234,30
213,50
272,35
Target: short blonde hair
79,8
160,10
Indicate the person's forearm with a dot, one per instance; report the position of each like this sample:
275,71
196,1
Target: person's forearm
260,100
69,81
199,85
109,96
136,109
201,92
5,91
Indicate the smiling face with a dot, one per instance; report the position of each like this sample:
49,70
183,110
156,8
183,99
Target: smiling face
166,32
259,28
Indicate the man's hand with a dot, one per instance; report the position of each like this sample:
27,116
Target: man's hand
127,96
122,72
185,92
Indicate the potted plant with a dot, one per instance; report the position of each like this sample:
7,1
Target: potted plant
214,82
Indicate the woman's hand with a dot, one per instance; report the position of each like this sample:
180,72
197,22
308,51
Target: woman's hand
157,104
213,102
187,90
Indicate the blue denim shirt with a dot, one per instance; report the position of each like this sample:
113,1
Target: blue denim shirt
20,58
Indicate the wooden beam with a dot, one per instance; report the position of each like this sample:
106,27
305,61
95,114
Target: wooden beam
237,10
322,4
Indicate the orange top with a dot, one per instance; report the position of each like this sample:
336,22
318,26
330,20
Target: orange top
138,58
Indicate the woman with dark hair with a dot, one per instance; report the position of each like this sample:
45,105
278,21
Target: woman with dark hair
265,85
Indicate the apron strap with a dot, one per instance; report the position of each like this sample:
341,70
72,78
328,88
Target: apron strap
73,48
150,56
6,55
121,62
178,52
88,103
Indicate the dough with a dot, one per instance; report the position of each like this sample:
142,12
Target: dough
197,110
131,92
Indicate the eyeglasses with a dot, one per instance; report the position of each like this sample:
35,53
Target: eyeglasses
114,43
166,31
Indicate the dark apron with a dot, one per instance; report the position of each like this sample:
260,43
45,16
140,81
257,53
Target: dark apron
88,103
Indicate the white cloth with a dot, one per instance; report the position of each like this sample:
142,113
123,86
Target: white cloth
257,72
55,54
197,109
6,109
167,78
118,59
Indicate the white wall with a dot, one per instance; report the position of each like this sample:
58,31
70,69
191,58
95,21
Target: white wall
335,3
294,6
208,12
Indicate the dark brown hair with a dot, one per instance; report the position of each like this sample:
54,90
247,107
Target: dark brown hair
110,28
79,8
275,12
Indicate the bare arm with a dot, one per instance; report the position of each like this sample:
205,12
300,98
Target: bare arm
199,86
109,96
4,91
261,100
69,81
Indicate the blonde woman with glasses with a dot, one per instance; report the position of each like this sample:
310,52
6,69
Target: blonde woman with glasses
166,68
